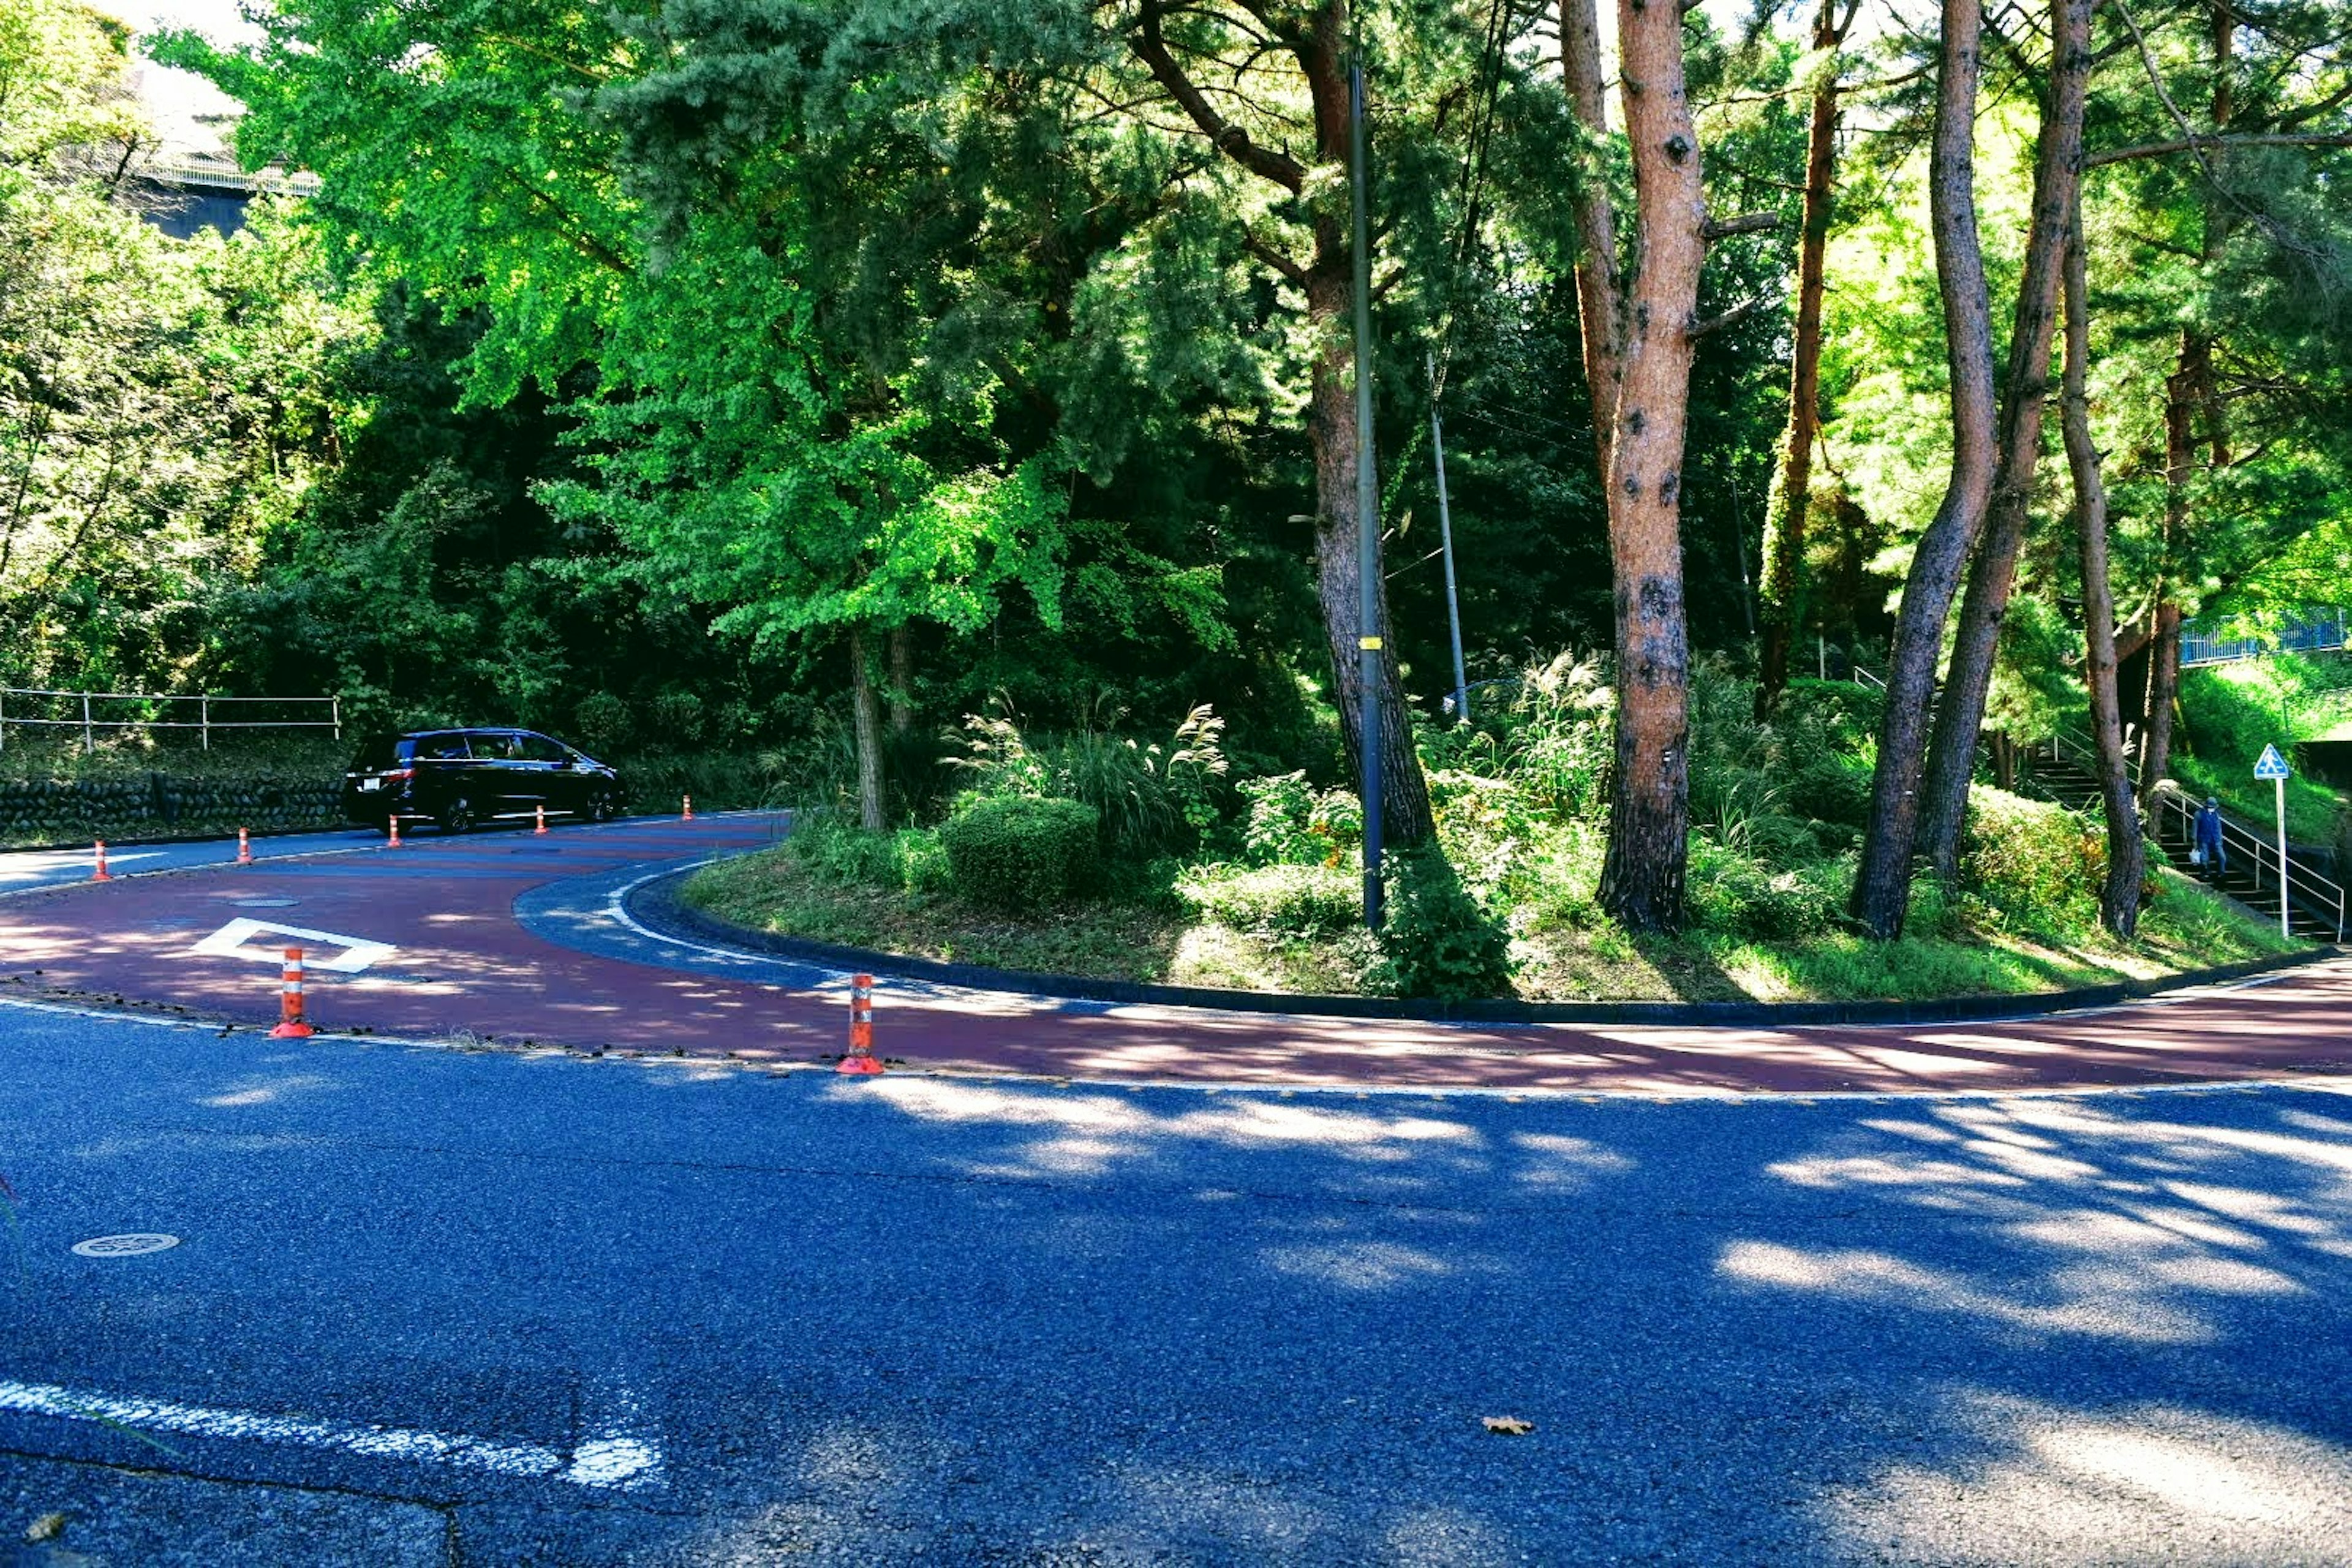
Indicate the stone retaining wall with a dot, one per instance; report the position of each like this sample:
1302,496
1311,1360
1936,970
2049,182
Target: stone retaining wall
157,806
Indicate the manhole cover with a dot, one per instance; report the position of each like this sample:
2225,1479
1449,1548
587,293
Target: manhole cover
123,1246
264,903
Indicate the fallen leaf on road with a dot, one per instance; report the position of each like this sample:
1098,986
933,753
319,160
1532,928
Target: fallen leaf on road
48,1527
1508,1425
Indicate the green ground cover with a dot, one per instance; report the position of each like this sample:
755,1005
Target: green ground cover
2229,712
1196,877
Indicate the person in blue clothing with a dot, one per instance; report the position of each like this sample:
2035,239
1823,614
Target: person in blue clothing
2208,839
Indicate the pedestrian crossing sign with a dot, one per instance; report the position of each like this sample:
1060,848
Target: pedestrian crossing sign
2272,767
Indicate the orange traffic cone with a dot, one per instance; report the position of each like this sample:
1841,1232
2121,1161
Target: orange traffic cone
861,1059
542,821
98,872
392,842
244,848
290,1025
687,814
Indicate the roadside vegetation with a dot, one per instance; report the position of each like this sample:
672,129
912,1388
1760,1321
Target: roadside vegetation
1113,857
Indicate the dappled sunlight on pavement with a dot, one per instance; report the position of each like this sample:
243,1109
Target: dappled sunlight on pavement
2145,1483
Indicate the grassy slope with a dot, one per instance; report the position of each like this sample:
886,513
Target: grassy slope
2186,928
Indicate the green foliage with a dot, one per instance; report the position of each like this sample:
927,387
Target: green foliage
2228,714
2033,866
833,849
1285,901
1291,823
1021,853
1434,940
603,722
1730,891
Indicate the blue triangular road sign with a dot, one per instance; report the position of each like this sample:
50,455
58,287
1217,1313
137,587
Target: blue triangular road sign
2272,767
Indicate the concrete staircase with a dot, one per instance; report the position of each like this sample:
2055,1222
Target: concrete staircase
2315,905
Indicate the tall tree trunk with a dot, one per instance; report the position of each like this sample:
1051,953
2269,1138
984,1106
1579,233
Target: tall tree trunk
1781,599
1599,306
1316,40
1649,809
1331,417
865,713
1968,681
2164,655
2119,896
902,680
1882,885
2189,386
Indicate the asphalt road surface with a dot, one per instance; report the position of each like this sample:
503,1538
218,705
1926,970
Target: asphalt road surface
516,937
462,1299
433,1306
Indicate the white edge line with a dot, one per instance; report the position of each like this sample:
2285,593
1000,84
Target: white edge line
614,1463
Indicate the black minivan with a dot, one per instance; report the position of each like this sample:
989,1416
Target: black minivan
457,778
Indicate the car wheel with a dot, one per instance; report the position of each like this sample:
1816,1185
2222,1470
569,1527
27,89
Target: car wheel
457,817
601,808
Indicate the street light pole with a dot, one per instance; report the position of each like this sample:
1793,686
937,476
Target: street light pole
1367,502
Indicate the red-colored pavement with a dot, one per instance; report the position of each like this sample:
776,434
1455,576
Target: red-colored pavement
464,964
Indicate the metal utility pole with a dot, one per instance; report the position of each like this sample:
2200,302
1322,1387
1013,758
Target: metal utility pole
1445,543
1368,499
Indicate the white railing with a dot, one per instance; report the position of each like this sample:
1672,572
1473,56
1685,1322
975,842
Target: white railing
204,723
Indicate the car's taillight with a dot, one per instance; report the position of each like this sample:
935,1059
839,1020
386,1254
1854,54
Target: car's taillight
399,775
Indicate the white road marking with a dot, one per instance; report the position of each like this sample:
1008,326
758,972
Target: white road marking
230,940
613,1463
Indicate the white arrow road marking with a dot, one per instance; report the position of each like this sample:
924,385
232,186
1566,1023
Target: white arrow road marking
613,1463
230,940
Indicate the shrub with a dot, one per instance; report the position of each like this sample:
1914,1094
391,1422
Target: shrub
832,847
1731,892
1434,940
1280,900
1021,853
1292,823
677,716
604,721
2038,865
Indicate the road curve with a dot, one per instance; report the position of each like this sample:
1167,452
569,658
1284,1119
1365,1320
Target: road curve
511,937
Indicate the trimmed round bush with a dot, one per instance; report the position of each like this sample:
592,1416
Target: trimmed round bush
1021,853
2038,863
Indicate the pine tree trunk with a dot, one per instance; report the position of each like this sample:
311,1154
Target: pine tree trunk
1599,306
1783,577
1968,681
1649,814
2163,693
866,710
902,680
2119,896
1331,421
1882,887
1315,37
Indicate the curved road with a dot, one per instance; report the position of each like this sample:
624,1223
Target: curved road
516,1307
513,938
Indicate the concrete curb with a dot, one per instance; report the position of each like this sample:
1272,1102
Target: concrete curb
656,905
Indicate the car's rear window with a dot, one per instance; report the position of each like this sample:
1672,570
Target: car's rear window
380,751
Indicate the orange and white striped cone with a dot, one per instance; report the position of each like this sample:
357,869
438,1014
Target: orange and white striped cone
97,870
542,821
393,841
861,1059
290,1025
685,811
244,848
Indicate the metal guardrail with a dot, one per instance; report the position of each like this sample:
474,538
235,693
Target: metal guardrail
89,723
